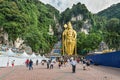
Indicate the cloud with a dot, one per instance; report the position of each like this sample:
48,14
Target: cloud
93,5
98,5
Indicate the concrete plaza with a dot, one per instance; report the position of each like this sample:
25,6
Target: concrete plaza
40,72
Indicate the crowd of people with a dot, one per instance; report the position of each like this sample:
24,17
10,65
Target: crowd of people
62,62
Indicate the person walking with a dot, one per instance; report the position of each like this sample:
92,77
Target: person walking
84,64
13,63
73,63
59,64
88,64
42,62
27,62
48,64
8,64
51,65
37,62
30,64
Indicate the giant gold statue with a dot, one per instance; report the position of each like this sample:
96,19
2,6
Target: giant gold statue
69,40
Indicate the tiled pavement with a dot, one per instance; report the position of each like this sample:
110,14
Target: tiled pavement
41,73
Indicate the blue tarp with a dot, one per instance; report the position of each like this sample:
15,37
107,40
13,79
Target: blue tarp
108,59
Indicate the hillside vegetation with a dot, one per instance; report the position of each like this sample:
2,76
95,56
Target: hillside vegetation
30,20
111,12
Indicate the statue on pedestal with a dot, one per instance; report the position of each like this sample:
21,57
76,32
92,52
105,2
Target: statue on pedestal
69,40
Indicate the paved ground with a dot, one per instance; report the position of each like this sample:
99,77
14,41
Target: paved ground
41,73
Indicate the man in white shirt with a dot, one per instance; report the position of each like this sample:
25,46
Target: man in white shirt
73,63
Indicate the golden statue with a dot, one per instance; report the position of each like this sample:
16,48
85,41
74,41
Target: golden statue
69,40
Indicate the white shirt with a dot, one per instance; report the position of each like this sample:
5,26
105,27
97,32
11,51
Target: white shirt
73,62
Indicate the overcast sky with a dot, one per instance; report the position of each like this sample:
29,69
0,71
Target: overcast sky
93,5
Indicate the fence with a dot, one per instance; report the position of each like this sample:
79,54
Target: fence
108,59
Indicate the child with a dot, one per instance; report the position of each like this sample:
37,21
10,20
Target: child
13,63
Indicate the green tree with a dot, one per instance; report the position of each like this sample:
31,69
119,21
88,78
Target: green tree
86,43
112,37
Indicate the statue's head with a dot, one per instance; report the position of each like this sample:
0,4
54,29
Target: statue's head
65,26
69,25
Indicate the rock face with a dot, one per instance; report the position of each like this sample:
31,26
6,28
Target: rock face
3,37
18,42
103,46
51,32
86,26
26,48
76,18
